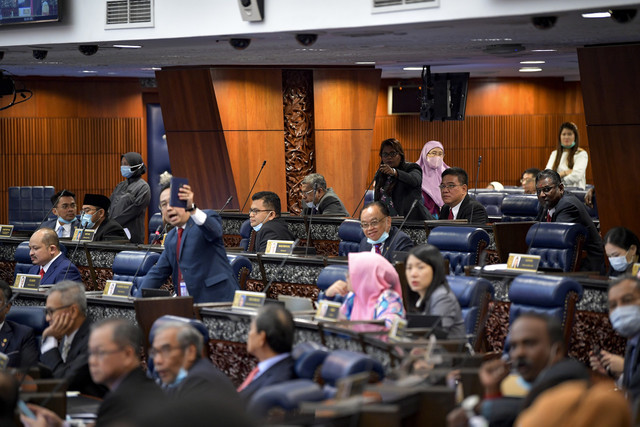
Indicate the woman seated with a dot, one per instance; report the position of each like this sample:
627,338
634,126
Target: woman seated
431,294
621,246
372,289
432,163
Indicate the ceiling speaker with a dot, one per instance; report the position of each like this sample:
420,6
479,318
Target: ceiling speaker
251,10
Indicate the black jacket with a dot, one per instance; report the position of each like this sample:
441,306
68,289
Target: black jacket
330,204
471,210
110,230
408,187
280,372
276,229
391,245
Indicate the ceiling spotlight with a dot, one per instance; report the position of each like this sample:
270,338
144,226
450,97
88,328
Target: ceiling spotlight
622,16
544,22
88,49
240,44
306,39
40,54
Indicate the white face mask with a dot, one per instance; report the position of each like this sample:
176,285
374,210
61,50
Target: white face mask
381,239
619,263
310,205
625,319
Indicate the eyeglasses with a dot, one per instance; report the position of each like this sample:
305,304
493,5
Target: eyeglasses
449,186
49,311
373,223
163,205
304,193
100,354
435,153
163,351
255,211
546,189
389,155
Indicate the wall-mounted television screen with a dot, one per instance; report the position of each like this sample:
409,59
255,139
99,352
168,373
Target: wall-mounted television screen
28,11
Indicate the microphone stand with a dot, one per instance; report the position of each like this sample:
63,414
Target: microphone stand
266,288
225,204
476,189
74,250
363,196
156,236
387,248
254,184
306,249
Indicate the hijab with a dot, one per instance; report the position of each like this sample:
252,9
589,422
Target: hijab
432,177
135,159
370,275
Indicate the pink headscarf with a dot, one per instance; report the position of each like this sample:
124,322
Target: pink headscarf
370,275
431,177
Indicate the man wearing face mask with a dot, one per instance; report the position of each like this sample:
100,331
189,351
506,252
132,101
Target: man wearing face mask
64,207
379,235
95,216
320,199
266,222
131,197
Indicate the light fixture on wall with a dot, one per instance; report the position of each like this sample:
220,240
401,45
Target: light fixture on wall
40,54
88,49
240,44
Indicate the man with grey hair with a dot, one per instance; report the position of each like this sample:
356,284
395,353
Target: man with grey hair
320,199
177,353
64,341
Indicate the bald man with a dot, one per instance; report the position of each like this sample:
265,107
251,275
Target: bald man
48,261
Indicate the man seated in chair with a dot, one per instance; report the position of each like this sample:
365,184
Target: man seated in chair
64,207
270,340
17,342
558,205
266,221
48,261
379,235
178,360
457,203
95,215
319,199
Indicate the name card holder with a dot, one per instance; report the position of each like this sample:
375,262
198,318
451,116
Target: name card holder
6,231
114,288
279,247
635,269
83,235
397,332
250,301
27,281
523,262
328,310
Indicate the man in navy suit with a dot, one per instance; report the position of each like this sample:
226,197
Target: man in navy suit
48,261
64,207
17,341
193,253
270,340
379,235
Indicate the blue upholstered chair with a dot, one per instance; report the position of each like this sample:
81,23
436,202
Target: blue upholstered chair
343,363
28,206
558,244
579,193
492,202
241,267
154,222
309,356
31,316
127,263
519,207
551,295
350,233
460,245
285,396
245,234
368,197
22,258
328,276
473,295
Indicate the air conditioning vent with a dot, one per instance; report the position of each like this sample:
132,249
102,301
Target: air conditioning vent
383,6
129,14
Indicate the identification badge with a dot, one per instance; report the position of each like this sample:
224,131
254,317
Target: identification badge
184,292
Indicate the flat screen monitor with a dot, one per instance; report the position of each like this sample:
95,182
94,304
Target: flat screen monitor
28,11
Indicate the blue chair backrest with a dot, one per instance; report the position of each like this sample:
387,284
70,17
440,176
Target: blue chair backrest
31,316
330,274
460,245
28,206
368,197
241,267
473,295
23,260
519,207
127,263
350,233
287,396
245,233
308,357
593,212
557,243
154,222
343,363
492,202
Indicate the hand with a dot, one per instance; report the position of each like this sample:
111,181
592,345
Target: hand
388,170
613,362
492,373
596,363
567,172
59,326
457,418
588,198
44,417
338,287
185,193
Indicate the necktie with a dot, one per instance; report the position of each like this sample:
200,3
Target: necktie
548,217
180,231
249,378
66,346
450,213
41,272
377,248
61,231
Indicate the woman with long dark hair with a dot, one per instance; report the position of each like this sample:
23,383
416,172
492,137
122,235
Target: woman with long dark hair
621,246
568,159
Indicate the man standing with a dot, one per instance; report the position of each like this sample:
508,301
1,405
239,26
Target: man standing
194,253
320,199
528,180
17,341
558,205
270,340
95,208
48,261
178,360
266,221
457,203
380,236
64,207
64,341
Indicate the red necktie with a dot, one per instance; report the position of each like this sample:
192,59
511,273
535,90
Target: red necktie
377,248
249,378
177,287
450,213
548,217
41,273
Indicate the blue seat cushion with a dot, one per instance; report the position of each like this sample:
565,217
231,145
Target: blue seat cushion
330,274
542,290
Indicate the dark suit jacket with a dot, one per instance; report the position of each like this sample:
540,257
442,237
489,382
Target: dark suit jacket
203,262
76,368
471,210
400,243
19,343
408,188
330,204
631,373
201,379
280,372
136,393
110,230
52,224
276,229
571,209
58,271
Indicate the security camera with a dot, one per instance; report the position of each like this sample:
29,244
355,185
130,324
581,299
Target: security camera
306,39
88,49
240,44
622,16
40,55
544,22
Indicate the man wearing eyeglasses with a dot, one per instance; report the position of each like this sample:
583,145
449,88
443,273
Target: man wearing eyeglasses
64,207
64,342
558,205
379,235
95,215
266,222
528,180
457,203
320,199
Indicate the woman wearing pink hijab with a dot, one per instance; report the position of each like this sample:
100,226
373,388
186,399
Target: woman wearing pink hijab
432,163
372,288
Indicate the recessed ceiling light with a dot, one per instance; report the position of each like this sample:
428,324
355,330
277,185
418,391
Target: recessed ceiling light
544,50
366,63
151,69
89,71
126,46
532,62
412,68
597,15
505,39
530,69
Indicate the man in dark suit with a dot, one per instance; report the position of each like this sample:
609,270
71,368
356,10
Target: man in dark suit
17,341
64,207
270,340
379,235
177,352
457,203
193,253
320,199
64,342
48,261
95,208
266,222
558,205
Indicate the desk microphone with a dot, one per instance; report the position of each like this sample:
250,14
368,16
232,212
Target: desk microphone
387,248
286,258
353,215
50,210
156,236
225,204
476,189
254,184
315,190
80,234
